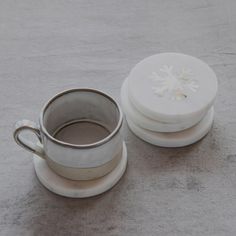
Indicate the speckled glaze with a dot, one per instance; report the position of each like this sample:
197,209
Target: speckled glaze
88,161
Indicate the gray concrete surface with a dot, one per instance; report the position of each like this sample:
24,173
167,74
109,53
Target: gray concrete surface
49,46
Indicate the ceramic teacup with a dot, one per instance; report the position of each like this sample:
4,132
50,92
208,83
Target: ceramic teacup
79,134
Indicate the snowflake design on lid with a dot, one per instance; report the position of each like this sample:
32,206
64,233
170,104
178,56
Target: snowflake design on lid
173,85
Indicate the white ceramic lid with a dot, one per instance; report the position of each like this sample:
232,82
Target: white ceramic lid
147,123
172,87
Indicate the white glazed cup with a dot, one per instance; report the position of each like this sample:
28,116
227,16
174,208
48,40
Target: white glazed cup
76,162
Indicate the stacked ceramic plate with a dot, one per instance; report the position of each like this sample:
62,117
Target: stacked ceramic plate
168,99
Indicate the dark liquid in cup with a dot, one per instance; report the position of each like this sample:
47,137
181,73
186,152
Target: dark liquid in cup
81,133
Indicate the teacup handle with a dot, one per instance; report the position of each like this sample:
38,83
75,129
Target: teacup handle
24,125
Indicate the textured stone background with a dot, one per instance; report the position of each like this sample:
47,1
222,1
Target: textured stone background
49,46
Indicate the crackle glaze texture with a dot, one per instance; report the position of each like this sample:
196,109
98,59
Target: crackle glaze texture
49,46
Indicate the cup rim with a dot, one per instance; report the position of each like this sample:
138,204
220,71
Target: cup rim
83,146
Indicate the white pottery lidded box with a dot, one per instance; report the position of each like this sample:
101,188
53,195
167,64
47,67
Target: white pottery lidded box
169,94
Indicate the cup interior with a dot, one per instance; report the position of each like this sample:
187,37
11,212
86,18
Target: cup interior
81,116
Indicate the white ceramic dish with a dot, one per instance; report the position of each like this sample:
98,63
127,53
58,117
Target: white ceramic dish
147,123
172,87
79,188
177,139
